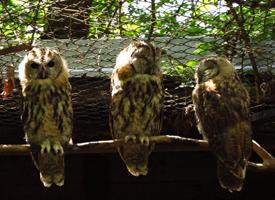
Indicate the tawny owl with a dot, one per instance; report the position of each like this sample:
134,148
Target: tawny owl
47,111
222,109
136,104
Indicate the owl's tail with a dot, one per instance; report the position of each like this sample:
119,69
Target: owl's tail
50,165
231,179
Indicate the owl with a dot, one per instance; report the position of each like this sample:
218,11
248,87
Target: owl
268,92
47,111
136,103
222,110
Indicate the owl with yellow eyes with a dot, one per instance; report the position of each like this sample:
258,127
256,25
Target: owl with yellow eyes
47,111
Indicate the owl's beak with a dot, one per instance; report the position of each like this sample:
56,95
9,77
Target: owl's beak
42,74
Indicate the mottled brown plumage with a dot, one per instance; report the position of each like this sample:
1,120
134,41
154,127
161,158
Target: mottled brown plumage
136,104
47,111
222,109
268,92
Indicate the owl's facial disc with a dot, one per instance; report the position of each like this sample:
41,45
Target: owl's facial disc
145,58
44,70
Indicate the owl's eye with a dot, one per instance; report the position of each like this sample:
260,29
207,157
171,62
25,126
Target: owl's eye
34,65
50,64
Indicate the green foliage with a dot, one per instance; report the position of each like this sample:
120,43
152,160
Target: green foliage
21,21
24,21
203,48
185,71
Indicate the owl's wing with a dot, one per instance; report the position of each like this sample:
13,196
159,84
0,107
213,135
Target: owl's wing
224,115
24,111
111,124
224,120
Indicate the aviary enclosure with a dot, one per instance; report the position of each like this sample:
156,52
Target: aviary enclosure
90,34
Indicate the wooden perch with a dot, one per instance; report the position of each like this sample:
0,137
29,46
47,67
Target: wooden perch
178,144
108,146
268,163
15,49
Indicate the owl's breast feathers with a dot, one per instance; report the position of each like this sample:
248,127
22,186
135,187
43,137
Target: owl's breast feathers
47,110
222,109
136,107
222,103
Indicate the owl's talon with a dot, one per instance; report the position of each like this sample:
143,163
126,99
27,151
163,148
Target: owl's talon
144,140
58,149
45,146
131,138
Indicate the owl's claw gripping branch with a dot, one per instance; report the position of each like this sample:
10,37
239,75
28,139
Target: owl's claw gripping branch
130,138
144,139
45,146
58,149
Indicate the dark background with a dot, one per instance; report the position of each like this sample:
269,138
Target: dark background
172,175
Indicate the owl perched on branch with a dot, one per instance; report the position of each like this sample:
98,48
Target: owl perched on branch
137,103
222,109
47,111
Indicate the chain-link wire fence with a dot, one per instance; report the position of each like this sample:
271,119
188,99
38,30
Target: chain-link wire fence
90,33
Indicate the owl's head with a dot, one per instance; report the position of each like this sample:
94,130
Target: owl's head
42,64
213,66
141,57
145,58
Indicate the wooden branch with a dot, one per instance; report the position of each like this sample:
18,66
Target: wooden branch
109,146
107,29
34,21
15,49
268,160
153,19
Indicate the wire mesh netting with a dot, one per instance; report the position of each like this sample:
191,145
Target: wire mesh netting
90,33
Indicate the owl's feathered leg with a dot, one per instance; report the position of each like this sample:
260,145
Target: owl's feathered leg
130,138
144,139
